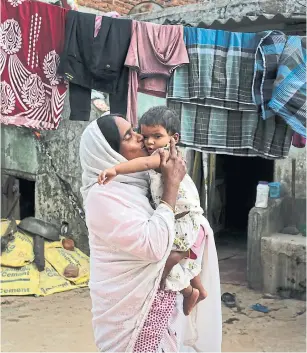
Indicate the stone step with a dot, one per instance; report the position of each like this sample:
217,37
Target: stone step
283,258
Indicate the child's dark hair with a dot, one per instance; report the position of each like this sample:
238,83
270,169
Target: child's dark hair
163,116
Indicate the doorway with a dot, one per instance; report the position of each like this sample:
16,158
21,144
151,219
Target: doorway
242,175
236,180
27,198
18,197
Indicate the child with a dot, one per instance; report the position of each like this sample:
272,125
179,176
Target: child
158,126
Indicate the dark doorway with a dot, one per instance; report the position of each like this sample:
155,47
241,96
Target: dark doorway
239,177
27,198
242,175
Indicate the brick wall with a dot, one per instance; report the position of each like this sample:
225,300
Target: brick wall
124,6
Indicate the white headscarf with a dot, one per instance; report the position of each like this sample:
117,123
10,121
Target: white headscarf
97,155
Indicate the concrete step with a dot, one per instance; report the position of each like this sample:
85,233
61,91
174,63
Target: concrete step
283,258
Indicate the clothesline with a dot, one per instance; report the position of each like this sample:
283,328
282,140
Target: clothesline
214,79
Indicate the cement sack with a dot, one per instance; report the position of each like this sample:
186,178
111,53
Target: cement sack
19,251
59,258
53,244
51,282
19,281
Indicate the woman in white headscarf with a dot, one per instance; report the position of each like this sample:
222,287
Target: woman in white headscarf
130,244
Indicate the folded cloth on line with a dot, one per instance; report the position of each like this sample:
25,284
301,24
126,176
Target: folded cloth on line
221,70
289,91
231,132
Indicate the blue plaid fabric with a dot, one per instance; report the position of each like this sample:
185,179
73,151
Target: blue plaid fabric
221,94
267,57
289,90
221,69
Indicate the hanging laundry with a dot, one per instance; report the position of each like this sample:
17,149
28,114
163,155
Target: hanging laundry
154,53
215,95
267,57
238,133
289,92
98,20
280,79
90,62
31,38
298,141
221,69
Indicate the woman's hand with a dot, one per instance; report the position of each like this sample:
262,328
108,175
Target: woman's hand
173,171
173,168
106,176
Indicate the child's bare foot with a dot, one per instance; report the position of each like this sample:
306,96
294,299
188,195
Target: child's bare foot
190,301
196,283
202,294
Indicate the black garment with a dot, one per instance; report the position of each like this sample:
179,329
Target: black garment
95,63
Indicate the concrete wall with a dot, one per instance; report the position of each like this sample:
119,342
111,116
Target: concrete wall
19,151
24,157
283,172
263,253
284,265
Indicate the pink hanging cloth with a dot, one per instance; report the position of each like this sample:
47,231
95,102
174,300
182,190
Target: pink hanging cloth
32,37
154,53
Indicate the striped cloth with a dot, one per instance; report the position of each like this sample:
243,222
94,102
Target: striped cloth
289,91
221,69
224,131
219,96
266,64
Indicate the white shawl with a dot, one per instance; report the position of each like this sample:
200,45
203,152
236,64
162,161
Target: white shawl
133,230
97,155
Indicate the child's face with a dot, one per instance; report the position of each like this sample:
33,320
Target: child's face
156,137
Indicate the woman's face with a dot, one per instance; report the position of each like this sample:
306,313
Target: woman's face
131,143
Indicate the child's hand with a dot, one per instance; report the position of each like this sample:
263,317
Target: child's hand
106,176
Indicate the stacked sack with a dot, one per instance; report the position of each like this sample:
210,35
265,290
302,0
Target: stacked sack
65,267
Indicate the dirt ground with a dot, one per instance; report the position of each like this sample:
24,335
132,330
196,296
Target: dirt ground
62,323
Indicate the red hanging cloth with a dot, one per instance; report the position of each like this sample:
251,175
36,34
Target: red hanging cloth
31,39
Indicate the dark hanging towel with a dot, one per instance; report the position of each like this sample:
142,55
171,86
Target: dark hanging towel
95,63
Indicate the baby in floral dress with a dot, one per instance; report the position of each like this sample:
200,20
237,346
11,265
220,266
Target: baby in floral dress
157,130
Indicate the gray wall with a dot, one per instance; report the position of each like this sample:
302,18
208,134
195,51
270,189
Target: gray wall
24,157
283,172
